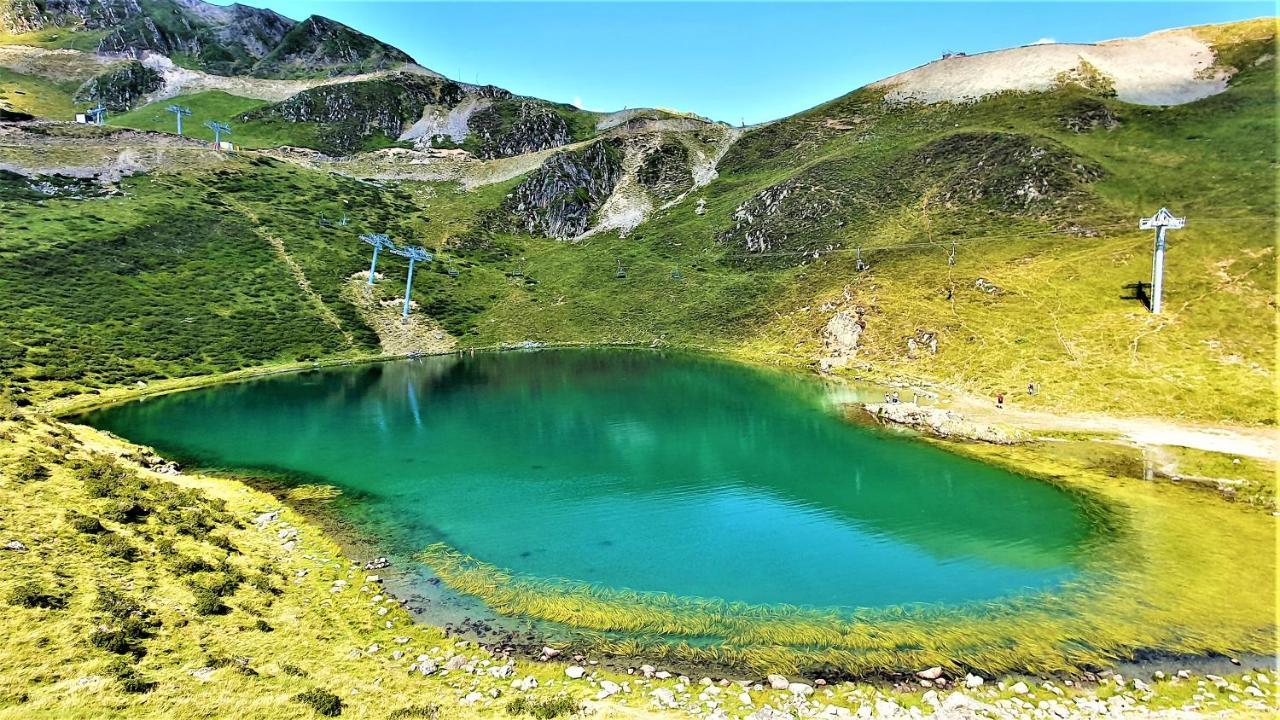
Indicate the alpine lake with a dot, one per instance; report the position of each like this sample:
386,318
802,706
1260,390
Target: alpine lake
712,504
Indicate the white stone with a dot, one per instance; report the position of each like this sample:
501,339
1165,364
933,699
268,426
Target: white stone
1020,688
973,681
932,673
575,671
664,697
801,689
778,682
608,688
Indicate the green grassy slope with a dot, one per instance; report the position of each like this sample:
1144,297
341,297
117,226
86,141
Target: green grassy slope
208,105
902,183
37,96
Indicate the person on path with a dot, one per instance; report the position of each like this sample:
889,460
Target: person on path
895,397
999,401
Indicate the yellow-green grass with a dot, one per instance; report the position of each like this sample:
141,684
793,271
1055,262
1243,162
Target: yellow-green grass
1180,572
37,96
313,638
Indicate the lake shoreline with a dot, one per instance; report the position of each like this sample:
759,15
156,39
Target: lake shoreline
951,446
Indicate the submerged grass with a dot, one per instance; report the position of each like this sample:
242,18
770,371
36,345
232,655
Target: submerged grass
1169,580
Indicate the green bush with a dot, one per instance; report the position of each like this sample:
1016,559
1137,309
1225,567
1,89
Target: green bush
128,677
31,594
290,669
544,709
116,546
29,468
118,605
188,566
82,523
104,477
208,602
426,712
322,701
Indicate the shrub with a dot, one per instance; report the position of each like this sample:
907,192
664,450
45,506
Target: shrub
118,605
544,709
289,668
208,602
82,523
29,468
128,677
322,701
115,546
127,511
262,626
187,566
428,712
104,477
32,595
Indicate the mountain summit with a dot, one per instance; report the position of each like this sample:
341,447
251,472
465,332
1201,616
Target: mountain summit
232,40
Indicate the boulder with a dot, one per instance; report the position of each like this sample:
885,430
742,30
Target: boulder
932,673
575,671
778,682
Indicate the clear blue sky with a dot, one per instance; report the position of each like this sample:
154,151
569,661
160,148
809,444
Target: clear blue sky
729,61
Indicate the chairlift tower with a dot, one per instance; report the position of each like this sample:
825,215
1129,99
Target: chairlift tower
219,129
1161,221
415,254
378,241
97,115
179,111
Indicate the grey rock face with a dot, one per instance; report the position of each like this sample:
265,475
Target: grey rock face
559,198
510,127
233,40
665,171
353,111
119,88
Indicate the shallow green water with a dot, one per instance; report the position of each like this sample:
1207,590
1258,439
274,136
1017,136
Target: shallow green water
632,469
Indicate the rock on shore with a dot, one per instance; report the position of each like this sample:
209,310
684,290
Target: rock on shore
945,423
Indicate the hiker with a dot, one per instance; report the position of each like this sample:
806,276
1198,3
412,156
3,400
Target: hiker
1031,388
1000,401
887,399
895,397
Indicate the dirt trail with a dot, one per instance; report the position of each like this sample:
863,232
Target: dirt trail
1248,441
298,275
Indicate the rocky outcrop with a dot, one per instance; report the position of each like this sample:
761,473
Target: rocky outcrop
508,127
20,16
1010,172
121,87
801,217
319,43
232,40
1089,114
665,170
559,199
349,113
945,423
840,338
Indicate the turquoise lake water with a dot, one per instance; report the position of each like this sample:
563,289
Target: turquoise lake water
644,470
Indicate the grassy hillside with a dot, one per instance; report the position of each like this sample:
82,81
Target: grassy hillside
1039,194
222,107
37,96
